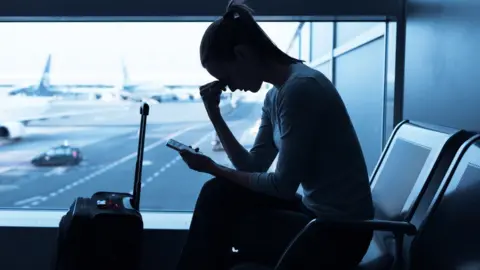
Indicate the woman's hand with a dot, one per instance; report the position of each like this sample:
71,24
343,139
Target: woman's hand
210,94
198,161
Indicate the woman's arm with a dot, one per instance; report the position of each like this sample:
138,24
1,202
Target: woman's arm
260,157
297,152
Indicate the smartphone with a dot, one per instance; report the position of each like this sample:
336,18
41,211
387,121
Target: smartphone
178,146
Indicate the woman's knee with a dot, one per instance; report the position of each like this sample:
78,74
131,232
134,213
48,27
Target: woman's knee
215,195
218,186
210,186
221,193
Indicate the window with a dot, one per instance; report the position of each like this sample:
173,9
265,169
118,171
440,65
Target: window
97,73
390,79
306,42
325,68
294,50
347,31
352,55
322,39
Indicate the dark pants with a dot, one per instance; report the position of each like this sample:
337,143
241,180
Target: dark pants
260,227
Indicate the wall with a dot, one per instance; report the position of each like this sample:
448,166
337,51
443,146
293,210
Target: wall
359,59
183,10
34,248
31,248
441,63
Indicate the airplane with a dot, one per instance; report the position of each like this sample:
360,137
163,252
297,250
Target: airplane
76,91
22,105
19,110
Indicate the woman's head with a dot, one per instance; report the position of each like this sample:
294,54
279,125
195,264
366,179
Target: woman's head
235,49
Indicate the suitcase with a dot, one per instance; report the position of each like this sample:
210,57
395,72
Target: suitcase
105,230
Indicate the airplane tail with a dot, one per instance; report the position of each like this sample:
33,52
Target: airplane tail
126,78
44,87
127,83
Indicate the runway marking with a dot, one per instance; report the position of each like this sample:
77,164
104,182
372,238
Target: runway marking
150,136
177,158
114,164
5,169
29,200
56,171
147,163
8,187
19,159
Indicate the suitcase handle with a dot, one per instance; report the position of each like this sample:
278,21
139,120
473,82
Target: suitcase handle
135,201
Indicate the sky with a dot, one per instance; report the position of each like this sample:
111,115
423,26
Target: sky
93,52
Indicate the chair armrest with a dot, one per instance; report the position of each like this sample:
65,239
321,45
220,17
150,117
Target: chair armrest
396,227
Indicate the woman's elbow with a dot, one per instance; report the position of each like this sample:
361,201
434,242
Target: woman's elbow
243,164
249,165
284,189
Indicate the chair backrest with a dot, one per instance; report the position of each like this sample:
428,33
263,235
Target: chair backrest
449,236
409,163
413,163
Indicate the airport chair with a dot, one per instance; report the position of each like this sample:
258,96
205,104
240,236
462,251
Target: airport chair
409,172
449,236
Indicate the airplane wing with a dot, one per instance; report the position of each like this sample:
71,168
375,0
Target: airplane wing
13,129
26,120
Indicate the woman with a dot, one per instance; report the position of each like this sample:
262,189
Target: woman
305,122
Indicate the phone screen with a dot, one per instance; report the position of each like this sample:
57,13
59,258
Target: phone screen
177,145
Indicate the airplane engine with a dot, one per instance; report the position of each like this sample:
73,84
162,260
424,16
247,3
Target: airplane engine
12,130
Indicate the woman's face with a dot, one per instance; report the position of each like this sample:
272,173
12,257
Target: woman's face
240,74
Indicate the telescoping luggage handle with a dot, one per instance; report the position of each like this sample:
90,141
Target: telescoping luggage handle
137,184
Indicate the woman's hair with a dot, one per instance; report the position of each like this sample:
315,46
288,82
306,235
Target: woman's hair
238,27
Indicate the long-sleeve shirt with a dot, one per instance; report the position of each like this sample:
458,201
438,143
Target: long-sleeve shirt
306,123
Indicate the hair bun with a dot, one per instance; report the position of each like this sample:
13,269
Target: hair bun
233,4
235,8
231,14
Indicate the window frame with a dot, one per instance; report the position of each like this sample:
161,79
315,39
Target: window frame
165,220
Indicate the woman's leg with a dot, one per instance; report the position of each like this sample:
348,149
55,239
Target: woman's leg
219,206
265,235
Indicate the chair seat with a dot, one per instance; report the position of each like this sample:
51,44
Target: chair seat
377,264
380,263
375,259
